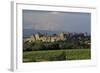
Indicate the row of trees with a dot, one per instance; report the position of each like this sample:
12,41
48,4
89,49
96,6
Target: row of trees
68,44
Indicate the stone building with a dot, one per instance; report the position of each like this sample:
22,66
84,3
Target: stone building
46,38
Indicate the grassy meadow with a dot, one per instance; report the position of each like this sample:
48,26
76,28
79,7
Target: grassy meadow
56,55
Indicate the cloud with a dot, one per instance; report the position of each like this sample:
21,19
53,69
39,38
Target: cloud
43,20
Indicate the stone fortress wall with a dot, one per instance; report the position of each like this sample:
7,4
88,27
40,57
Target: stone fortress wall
46,38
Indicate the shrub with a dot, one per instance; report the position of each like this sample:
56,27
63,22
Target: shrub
58,57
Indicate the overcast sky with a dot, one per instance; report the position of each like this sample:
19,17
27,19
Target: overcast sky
57,21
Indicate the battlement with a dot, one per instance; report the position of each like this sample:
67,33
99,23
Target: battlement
46,38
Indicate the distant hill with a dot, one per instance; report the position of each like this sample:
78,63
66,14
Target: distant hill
28,32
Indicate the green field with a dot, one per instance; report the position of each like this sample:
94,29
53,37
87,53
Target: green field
56,55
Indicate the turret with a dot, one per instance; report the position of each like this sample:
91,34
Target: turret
61,35
37,36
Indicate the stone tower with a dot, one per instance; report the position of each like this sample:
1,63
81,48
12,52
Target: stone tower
61,35
37,36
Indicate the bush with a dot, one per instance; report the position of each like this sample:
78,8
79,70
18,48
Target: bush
38,46
26,46
59,45
58,57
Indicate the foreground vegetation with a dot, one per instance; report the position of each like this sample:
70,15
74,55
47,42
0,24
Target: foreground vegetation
74,47
56,55
59,45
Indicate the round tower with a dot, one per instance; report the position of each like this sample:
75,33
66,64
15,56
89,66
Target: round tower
61,35
37,36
